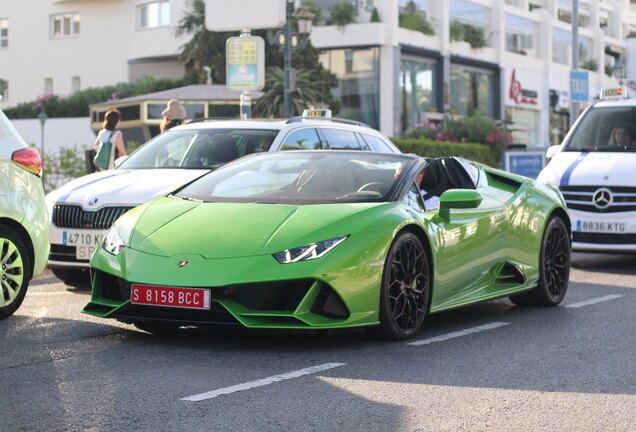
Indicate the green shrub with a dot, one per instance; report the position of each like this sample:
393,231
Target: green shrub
429,148
76,105
457,31
474,35
375,15
590,64
474,129
59,168
415,21
342,13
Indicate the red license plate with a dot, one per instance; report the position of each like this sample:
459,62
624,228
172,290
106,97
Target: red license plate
189,298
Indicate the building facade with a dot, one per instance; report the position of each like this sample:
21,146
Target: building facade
400,63
61,46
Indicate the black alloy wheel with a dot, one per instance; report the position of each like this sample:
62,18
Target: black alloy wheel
554,267
405,290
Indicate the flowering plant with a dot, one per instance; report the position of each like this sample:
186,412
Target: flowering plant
473,129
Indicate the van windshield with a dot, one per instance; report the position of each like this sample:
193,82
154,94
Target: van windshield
605,130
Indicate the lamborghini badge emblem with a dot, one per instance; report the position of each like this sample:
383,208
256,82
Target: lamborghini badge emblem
183,263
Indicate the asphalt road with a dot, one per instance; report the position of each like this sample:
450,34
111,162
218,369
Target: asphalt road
492,367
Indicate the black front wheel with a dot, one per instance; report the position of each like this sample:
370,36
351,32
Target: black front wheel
404,294
554,267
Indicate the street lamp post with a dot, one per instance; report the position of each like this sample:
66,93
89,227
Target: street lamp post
288,41
42,116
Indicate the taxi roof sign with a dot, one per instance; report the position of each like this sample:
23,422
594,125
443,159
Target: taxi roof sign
317,113
613,93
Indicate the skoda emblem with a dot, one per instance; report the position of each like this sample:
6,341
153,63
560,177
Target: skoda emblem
603,198
92,201
183,263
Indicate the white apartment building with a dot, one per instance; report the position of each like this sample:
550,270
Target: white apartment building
400,62
61,46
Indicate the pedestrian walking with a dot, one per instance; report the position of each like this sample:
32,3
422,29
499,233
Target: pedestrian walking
173,115
109,144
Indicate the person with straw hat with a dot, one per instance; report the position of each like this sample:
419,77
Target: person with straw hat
173,115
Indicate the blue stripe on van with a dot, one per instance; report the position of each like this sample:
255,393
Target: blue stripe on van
565,179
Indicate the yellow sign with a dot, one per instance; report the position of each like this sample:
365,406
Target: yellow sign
245,63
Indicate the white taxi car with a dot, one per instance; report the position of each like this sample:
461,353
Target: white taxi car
24,220
84,209
595,169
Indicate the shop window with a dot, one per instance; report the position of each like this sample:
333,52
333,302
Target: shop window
417,91
65,25
472,91
358,82
523,124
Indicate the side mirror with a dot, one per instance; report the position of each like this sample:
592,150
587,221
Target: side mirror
458,199
120,160
552,150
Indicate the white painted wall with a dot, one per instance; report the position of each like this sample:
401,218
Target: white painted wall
99,55
58,132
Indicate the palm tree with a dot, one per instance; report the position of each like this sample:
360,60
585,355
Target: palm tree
308,92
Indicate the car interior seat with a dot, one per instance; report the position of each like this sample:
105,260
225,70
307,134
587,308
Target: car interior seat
224,149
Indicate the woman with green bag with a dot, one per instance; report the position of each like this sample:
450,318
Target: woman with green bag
109,144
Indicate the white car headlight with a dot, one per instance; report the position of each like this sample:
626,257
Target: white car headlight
311,251
113,242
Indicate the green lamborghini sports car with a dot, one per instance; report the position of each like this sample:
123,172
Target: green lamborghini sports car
332,239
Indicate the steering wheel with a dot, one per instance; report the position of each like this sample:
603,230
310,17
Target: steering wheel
383,188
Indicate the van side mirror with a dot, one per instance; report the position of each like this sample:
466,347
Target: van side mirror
552,150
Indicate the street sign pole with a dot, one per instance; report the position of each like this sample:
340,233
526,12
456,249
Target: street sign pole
574,105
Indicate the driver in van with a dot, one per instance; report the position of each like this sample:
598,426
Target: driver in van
620,137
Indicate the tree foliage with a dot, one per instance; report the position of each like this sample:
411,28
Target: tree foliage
207,48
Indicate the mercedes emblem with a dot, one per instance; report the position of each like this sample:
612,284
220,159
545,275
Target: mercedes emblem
603,198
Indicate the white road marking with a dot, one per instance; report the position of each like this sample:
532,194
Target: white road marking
594,301
457,334
262,382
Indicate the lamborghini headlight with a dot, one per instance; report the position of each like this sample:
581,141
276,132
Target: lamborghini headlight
113,242
309,252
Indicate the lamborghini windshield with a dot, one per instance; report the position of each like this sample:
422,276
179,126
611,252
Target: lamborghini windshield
199,148
302,177
611,129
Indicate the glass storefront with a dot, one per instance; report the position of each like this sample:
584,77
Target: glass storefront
358,74
472,91
523,125
417,90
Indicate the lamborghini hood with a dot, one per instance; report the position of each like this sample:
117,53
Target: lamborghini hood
171,226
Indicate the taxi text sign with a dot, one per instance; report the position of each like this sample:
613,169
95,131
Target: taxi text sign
579,86
245,63
236,15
